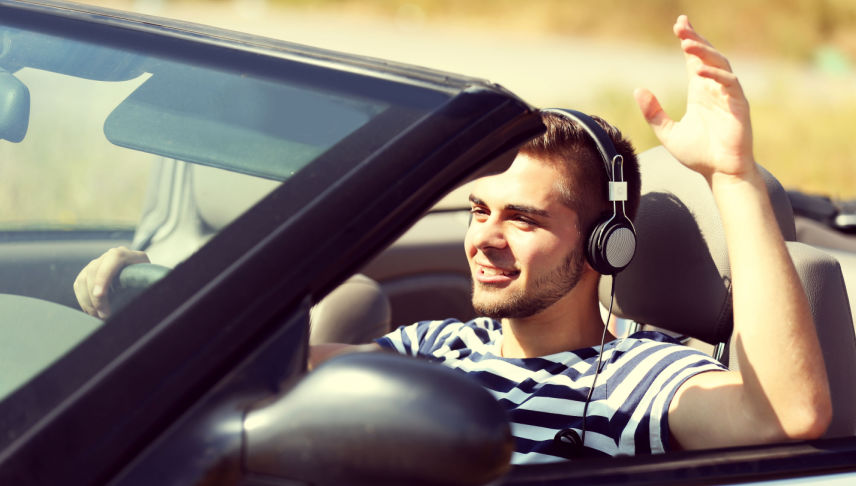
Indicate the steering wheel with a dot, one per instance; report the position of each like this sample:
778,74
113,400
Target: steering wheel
132,281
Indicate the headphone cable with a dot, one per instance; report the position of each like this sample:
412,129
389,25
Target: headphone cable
599,360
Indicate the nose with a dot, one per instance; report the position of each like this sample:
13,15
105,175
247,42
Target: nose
486,234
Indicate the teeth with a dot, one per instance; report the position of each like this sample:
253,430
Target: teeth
494,272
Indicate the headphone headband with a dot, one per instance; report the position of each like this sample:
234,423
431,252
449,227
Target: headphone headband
612,241
601,140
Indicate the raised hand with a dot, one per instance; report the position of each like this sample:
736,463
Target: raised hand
770,309
715,133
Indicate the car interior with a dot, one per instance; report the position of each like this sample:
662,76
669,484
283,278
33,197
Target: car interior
423,274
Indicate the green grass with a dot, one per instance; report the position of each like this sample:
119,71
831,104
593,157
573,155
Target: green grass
793,29
65,172
806,141
805,138
808,146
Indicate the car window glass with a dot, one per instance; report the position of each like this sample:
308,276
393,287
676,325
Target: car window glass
102,146
64,173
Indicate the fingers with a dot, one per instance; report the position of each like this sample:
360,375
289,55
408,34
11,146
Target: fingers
703,59
696,46
92,284
721,76
684,30
653,112
81,292
706,54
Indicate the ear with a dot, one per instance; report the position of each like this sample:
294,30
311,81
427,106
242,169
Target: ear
590,274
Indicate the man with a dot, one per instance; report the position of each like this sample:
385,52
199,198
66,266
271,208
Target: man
539,347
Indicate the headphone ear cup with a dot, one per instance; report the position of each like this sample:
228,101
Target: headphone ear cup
594,248
611,246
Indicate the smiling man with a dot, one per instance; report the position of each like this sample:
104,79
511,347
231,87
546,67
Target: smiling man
528,272
541,347
526,244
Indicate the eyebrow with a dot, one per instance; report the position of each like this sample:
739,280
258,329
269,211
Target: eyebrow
519,208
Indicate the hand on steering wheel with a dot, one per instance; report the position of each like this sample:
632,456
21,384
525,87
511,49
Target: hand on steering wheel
91,287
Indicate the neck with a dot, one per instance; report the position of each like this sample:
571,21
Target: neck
572,322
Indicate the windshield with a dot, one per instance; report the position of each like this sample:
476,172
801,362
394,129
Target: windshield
104,146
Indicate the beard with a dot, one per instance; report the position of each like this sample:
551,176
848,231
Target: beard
544,292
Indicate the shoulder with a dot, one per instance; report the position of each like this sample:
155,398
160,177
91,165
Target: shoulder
428,336
653,339
451,326
654,351
653,336
480,330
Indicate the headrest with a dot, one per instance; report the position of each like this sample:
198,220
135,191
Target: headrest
680,278
221,195
356,312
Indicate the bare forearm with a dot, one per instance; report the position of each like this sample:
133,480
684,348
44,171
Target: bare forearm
781,364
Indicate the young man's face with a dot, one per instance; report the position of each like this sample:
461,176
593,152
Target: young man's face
523,244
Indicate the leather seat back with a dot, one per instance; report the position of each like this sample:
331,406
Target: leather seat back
680,279
355,312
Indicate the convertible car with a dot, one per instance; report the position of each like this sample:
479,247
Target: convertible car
289,195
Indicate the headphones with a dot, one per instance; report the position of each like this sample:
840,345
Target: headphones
612,239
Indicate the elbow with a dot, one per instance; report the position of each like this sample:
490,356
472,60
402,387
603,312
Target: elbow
815,421
809,421
806,421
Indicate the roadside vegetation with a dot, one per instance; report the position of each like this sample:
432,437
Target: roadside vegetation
803,119
795,29
803,133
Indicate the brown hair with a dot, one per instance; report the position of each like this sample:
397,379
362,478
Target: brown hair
566,146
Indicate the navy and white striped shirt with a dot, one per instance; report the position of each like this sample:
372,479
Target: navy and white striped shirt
629,407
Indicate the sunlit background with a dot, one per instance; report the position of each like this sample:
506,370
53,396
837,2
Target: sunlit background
795,58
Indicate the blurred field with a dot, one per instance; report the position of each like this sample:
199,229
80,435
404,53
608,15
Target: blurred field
795,58
784,28
804,129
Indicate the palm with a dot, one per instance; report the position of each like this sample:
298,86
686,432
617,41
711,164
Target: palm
715,133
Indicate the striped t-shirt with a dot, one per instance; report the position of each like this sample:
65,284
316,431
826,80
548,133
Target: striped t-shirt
628,410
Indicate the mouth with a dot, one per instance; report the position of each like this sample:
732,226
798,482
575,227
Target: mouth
493,275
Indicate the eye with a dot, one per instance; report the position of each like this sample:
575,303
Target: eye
524,221
478,211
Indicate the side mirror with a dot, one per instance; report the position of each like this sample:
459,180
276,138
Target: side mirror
381,419
14,107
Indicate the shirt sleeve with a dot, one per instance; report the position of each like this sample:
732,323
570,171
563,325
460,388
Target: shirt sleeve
420,339
400,340
694,364
653,378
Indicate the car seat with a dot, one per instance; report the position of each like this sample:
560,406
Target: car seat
355,312
679,279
